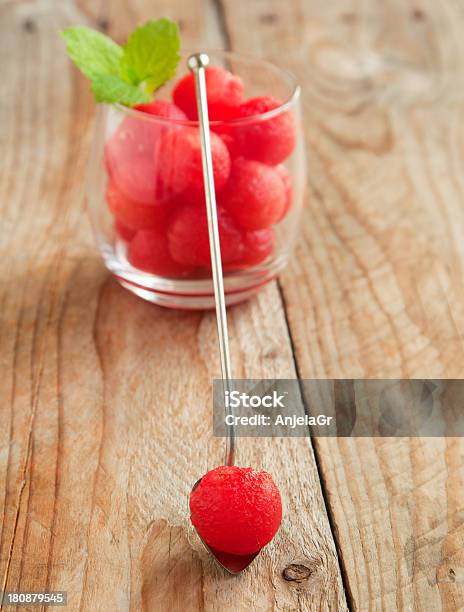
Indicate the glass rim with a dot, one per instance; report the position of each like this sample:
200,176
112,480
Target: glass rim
282,108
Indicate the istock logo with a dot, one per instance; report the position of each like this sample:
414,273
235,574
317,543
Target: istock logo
235,399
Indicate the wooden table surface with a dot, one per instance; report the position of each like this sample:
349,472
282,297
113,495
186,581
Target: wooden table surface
106,399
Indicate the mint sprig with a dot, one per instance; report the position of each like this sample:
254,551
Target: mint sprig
151,54
129,74
110,88
92,52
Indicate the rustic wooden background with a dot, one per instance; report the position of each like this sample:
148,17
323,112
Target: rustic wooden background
105,411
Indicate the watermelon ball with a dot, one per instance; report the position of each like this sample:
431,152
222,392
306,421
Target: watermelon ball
255,195
133,138
136,137
124,232
224,89
129,140
179,165
236,510
164,109
148,251
287,181
189,239
135,179
266,140
229,138
258,245
132,214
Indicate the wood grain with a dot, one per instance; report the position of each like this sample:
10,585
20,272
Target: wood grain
106,418
376,289
100,440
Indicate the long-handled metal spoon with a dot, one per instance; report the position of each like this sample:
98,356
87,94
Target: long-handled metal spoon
197,64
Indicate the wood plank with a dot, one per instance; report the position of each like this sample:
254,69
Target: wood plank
107,420
376,289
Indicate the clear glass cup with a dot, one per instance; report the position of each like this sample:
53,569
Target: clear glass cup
145,195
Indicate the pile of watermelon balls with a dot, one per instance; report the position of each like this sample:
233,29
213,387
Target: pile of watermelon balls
155,189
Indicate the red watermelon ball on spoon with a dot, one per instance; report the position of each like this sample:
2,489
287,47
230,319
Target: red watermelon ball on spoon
236,510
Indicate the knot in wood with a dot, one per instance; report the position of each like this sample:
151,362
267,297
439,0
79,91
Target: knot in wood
295,572
29,25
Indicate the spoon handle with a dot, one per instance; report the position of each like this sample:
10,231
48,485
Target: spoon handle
197,64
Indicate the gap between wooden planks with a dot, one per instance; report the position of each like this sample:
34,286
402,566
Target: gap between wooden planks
107,420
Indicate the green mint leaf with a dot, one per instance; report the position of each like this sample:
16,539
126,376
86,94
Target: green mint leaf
110,88
92,52
126,75
151,54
